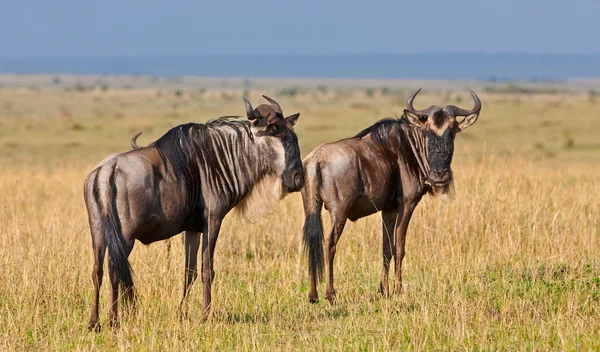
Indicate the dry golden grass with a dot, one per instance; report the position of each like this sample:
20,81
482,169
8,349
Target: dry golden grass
511,264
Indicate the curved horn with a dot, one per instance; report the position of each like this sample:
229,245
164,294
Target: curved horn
456,111
249,110
134,139
409,104
275,105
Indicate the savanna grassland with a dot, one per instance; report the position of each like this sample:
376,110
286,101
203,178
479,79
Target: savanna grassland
512,264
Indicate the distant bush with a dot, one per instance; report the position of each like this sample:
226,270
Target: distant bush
519,89
370,92
569,140
322,88
178,93
360,106
290,91
227,96
77,127
103,86
80,87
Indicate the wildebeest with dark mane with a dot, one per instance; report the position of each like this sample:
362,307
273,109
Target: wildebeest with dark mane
187,180
385,168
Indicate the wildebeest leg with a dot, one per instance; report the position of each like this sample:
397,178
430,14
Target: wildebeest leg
338,221
400,241
97,272
191,244
113,321
388,221
209,240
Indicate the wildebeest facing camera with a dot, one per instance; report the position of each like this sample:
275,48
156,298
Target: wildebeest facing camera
387,167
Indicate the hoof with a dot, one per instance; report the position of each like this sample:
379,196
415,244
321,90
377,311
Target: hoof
398,291
313,298
183,312
331,297
385,292
95,327
114,324
183,317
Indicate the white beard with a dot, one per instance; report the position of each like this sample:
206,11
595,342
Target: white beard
444,193
262,198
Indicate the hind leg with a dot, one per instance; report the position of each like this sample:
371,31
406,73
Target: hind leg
99,248
113,321
191,246
388,220
338,221
113,318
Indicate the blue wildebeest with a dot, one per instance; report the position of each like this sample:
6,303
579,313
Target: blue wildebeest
187,180
387,167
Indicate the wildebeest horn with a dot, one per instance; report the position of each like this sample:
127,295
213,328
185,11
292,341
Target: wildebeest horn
409,105
456,111
275,105
249,110
134,139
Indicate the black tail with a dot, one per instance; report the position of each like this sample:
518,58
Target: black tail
117,248
313,244
313,225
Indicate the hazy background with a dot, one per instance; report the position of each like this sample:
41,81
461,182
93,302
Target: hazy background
498,40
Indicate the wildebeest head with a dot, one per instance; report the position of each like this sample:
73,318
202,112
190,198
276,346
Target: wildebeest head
440,126
267,120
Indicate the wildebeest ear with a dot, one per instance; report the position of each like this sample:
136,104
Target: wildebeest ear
260,123
293,118
468,121
414,118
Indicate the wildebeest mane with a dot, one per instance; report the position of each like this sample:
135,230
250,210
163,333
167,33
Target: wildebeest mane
381,130
184,148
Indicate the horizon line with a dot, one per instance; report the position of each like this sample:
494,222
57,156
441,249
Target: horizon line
202,56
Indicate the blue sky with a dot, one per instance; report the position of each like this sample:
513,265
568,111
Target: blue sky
58,28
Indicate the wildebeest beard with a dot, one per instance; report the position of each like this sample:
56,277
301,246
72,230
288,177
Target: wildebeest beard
215,155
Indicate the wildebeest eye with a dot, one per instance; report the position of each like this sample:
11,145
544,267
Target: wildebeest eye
423,118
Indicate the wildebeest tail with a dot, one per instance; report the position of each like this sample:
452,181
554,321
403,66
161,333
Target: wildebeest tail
113,237
313,224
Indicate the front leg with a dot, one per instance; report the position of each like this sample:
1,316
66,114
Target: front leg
388,222
209,240
400,242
